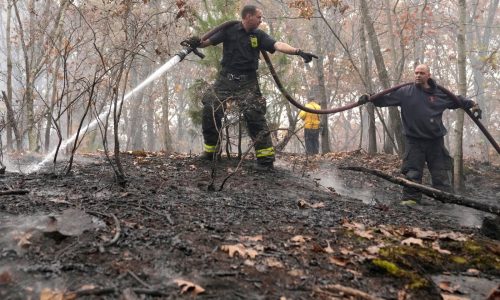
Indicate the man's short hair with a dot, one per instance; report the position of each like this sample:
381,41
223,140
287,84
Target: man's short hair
248,10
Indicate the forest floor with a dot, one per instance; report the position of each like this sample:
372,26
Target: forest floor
180,228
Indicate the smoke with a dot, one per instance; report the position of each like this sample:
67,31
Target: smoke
329,177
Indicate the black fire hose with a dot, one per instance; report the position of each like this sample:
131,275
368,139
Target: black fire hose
474,118
354,104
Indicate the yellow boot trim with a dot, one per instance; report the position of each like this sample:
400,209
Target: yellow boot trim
264,152
209,148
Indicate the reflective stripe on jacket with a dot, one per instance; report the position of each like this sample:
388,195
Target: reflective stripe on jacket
311,121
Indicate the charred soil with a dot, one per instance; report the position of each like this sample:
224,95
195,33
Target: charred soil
181,227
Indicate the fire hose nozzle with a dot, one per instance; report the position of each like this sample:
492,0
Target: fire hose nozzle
184,52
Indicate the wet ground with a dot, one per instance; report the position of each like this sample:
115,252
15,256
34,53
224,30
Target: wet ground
183,227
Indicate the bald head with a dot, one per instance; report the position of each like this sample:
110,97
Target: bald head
422,75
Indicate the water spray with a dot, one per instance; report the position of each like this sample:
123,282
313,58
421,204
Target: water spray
155,75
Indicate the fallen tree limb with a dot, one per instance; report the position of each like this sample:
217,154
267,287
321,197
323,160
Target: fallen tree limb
439,195
14,192
118,228
349,291
112,290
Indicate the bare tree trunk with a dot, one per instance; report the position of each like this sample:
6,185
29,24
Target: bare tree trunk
53,101
11,120
458,180
165,122
134,138
149,115
419,51
370,108
394,117
323,102
474,36
28,95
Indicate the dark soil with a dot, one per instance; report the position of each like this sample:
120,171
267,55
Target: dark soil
82,235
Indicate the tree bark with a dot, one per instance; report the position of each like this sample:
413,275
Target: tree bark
370,108
484,42
394,117
458,180
429,191
165,121
11,120
323,102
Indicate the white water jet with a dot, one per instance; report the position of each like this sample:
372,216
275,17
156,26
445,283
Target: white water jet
49,157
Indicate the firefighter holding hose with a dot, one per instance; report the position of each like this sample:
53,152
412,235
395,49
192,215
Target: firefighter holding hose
238,81
422,105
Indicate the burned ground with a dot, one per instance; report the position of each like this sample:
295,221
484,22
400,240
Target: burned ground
173,233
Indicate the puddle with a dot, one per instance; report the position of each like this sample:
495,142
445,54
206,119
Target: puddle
330,179
473,288
328,176
17,232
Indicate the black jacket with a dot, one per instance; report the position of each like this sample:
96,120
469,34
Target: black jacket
241,49
422,109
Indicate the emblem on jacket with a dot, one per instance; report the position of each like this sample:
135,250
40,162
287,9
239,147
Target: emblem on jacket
253,41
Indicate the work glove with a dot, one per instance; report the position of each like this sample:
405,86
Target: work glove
306,56
193,42
476,111
363,99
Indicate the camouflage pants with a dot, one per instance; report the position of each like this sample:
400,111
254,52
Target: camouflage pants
245,94
418,153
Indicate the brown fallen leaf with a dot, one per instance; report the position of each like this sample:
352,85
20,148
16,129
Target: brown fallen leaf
257,238
494,294
424,234
249,263
187,286
339,261
454,236
328,249
448,287
59,200
304,204
435,246
413,241
346,251
402,294
367,234
358,229
48,294
5,278
240,250
273,263
87,287
473,272
453,297
355,273
296,273
385,232
373,249
22,239
299,239
353,225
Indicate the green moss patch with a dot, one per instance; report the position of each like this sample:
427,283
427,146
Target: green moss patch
412,262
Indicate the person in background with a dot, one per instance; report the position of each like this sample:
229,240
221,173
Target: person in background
311,125
238,81
422,106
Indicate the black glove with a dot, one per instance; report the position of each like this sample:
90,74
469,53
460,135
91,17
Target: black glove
363,99
193,42
306,56
476,111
